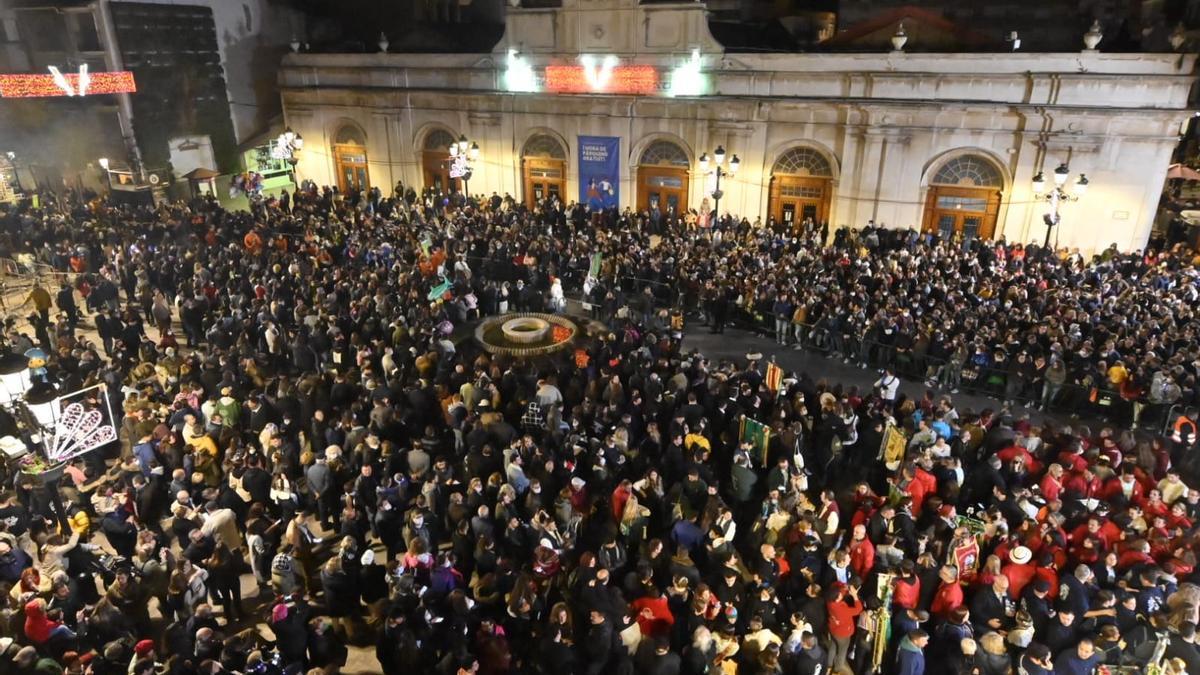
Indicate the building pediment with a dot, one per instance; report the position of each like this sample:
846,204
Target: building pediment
620,27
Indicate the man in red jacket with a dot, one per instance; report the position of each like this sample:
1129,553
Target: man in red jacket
843,606
862,553
949,594
906,588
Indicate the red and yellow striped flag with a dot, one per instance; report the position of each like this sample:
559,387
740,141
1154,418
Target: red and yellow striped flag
774,377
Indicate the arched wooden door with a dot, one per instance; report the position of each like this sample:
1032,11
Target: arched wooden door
350,160
801,187
544,169
964,197
435,161
663,179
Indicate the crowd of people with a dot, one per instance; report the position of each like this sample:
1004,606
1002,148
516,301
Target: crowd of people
324,460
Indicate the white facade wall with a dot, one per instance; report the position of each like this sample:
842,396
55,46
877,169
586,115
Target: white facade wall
886,122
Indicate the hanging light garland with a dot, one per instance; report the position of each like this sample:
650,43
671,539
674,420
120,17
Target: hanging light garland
28,85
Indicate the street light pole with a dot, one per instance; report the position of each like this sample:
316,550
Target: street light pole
718,160
1056,196
12,161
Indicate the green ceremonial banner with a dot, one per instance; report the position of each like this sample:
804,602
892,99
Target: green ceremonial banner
757,435
594,270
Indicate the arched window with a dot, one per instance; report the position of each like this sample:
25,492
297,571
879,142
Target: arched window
664,153
546,146
439,139
803,162
969,171
350,134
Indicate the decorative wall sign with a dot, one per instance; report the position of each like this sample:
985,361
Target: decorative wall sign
606,78
606,75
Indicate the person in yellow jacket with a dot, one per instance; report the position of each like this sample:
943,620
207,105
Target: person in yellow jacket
41,300
207,459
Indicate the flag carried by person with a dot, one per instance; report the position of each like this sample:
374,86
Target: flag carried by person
774,378
758,435
439,290
894,445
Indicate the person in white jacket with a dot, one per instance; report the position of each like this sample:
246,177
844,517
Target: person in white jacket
887,386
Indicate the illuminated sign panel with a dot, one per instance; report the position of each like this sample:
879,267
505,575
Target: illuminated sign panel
26,85
639,80
606,75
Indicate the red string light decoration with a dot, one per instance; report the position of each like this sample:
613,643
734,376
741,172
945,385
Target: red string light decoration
25,85
637,80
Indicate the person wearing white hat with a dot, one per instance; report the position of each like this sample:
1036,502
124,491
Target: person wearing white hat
1019,570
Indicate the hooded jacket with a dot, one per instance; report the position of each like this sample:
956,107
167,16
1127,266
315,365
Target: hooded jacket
37,627
910,659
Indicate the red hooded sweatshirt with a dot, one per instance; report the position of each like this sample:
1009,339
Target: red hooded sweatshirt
37,626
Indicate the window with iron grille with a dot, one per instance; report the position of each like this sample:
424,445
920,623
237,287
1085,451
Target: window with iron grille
803,162
664,153
969,171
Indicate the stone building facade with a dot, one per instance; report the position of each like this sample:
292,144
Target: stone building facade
907,139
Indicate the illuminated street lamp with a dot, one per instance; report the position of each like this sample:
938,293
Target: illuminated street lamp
12,161
287,147
1057,195
463,154
718,161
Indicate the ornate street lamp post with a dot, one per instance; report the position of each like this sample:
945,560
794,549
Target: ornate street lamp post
463,155
717,164
1057,195
287,147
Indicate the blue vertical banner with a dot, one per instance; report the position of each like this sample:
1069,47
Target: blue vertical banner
599,172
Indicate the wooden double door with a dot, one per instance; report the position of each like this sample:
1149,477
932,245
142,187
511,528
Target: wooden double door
544,178
969,211
662,189
796,198
351,162
435,166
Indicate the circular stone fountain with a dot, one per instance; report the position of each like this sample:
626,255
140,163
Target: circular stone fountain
525,334
525,330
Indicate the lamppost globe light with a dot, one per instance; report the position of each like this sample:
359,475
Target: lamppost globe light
11,154
704,162
734,163
474,154
289,135
104,163
1039,183
1081,186
454,149
719,155
298,142
1061,174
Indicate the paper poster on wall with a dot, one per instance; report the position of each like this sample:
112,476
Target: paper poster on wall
599,171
